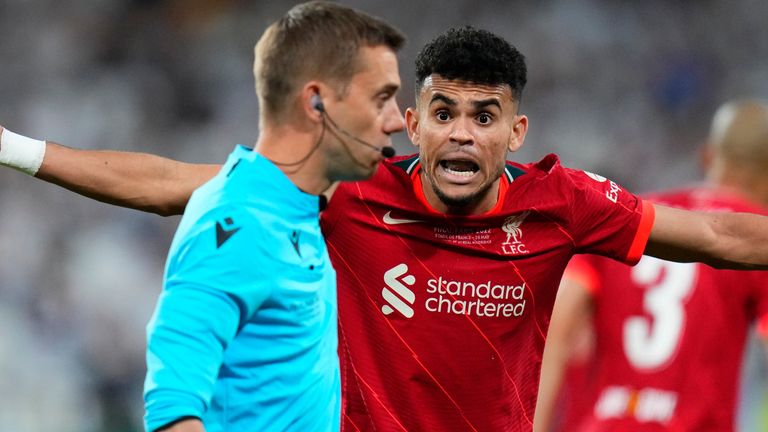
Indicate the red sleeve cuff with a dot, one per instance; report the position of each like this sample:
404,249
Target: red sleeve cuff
642,234
762,327
581,272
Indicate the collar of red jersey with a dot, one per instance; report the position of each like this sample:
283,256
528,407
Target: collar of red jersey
418,190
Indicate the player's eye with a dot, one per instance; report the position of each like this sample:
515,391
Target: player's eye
443,115
484,118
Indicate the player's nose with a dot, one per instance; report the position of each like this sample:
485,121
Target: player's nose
460,131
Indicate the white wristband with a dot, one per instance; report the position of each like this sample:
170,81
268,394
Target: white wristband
22,153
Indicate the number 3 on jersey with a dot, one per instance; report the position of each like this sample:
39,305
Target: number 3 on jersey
650,343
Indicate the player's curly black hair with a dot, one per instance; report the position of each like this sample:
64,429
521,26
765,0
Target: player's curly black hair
472,55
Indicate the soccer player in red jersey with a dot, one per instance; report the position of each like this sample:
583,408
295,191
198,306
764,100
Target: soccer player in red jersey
669,337
448,261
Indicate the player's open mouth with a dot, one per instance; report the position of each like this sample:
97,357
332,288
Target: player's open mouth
460,168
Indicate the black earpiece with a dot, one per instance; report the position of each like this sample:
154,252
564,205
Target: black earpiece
317,103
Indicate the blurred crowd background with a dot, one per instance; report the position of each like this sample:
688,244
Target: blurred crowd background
624,89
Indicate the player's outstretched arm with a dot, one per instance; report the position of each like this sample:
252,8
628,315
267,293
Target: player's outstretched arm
135,180
571,317
720,239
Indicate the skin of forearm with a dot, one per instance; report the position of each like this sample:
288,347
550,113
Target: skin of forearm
719,239
742,241
571,317
549,384
135,180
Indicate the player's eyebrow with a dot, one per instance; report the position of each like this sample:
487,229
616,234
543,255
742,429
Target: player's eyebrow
443,98
478,105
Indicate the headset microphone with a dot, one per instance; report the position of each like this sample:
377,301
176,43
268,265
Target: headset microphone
388,151
317,104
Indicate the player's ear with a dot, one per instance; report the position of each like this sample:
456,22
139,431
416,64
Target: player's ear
412,123
519,129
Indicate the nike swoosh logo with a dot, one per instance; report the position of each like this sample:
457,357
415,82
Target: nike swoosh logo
223,235
389,220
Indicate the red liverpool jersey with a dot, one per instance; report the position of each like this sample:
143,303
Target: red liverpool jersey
670,336
442,318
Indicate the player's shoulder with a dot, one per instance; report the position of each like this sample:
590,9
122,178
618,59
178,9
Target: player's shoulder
546,165
551,166
550,173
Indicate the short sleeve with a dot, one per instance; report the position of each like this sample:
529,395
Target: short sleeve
606,219
761,303
581,270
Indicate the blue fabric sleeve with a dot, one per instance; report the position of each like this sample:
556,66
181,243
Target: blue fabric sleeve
208,292
184,352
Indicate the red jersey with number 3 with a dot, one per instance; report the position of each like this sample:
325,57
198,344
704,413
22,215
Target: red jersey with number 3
670,336
442,319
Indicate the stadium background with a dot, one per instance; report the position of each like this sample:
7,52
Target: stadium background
624,89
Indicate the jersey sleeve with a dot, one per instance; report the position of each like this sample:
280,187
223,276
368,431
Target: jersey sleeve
762,327
212,285
761,309
606,219
582,271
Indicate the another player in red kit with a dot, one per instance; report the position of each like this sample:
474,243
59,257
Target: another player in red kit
448,262
669,337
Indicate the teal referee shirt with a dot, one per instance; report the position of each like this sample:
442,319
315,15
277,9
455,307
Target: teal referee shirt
244,333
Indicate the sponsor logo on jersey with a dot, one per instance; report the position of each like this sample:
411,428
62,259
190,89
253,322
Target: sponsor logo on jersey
398,296
613,192
595,177
484,298
514,245
389,220
644,405
613,189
